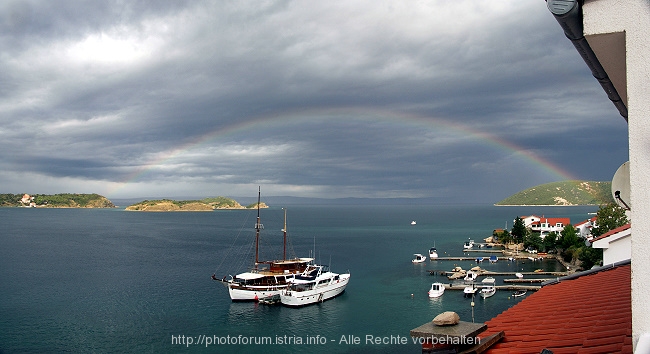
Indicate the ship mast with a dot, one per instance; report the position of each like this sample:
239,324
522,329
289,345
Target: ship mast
258,226
284,230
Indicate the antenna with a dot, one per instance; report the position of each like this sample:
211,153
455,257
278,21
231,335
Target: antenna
621,186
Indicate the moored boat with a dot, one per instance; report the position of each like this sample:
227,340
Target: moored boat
266,278
433,252
316,284
470,276
418,258
469,291
488,291
437,289
469,244
519,293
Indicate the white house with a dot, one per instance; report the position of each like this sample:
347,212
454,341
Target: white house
616,244
545,225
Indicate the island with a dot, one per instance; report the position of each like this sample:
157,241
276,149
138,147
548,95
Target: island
207,204
62,200
562,194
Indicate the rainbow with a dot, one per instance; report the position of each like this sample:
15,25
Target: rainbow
396,120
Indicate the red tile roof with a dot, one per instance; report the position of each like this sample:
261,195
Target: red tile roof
588,314
612,232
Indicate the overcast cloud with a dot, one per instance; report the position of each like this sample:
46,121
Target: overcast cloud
467,101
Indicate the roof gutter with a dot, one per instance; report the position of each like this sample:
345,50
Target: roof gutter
568,14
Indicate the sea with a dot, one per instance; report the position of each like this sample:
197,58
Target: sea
110,280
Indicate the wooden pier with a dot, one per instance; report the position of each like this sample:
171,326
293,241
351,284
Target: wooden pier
498,287
487,272
529,280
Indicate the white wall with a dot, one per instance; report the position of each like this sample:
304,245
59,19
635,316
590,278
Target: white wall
633,18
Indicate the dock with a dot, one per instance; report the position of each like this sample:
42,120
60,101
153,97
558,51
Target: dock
498,287
529,280
483,250
485,258
487,272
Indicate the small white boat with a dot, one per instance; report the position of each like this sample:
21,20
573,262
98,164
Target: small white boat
470,276
469,291
413,222
433,252
519,275
469,244
437,289
418,258
519,293
488,291
488,280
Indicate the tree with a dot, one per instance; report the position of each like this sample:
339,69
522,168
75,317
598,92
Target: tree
590,256
549,242
505,237
519,230
569,237
533,240
609,217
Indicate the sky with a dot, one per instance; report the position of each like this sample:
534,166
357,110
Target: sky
461,101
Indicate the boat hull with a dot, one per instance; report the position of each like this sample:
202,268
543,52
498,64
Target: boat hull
252,293
292,298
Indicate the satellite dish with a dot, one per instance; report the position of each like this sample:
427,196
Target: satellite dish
621,186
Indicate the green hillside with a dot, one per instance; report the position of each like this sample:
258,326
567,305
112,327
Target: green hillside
62,200
563,193
206,204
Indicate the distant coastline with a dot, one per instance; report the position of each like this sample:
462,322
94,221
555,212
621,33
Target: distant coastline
564,193
207,204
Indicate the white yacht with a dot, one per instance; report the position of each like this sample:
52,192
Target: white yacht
316,284
433,252
488,291
418,258
437,289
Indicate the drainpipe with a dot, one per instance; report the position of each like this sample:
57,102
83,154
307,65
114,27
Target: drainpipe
568,14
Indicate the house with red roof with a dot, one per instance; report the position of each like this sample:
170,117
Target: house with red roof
545,225
616,244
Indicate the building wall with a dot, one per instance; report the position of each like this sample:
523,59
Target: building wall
632,17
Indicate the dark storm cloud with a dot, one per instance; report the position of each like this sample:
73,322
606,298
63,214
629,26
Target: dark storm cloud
144,98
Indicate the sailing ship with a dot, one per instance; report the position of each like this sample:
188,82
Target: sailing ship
267,278
316,284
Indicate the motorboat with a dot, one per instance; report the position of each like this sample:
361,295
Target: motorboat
494,259
413,222
433,252
316,284
488,280
488,291
519,293
470,276
469,244
437,289
418,258
519,275
479,259
470,291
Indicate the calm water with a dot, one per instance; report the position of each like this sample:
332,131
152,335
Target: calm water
78,280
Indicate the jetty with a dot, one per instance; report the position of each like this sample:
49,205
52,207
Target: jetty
485,258
498,287
529,280
487,272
